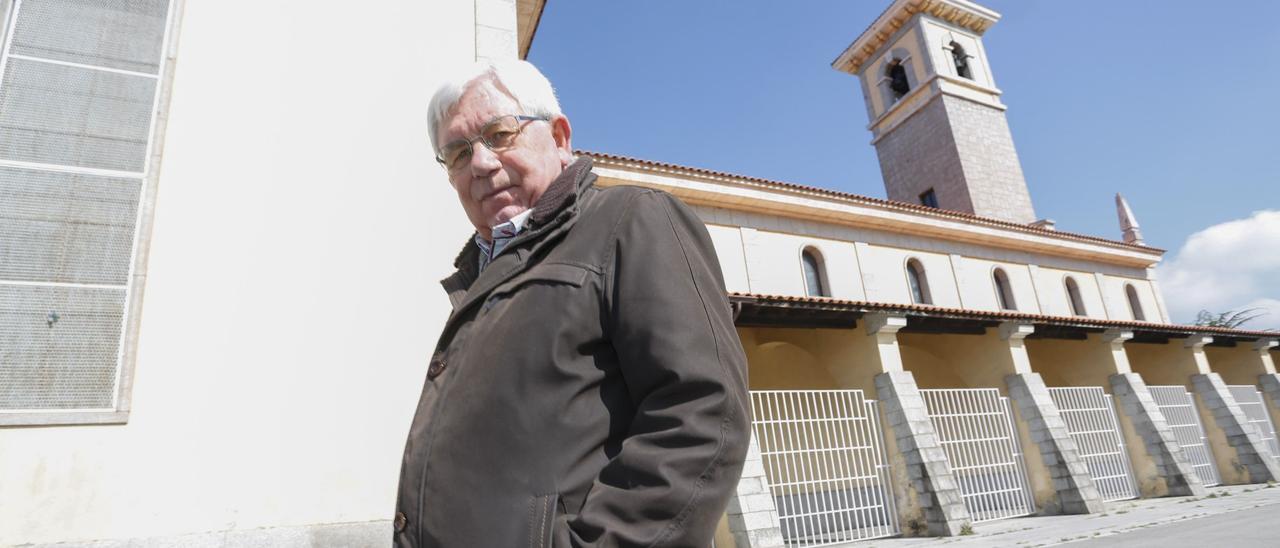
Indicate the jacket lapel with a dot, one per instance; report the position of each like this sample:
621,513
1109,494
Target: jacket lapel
554,214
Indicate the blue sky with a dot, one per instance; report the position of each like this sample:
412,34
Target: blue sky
1173,103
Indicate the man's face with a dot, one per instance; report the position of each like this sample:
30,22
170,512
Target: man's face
496,186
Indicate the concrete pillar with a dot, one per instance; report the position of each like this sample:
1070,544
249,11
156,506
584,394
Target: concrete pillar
1268,381
930,494
753,520
1067,471
1160,465
1251,454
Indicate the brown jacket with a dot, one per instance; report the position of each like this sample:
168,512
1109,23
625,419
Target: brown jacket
589,388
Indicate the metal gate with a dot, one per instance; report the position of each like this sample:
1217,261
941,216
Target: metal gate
1255,409
1179,410
1090,416
975,427
823,454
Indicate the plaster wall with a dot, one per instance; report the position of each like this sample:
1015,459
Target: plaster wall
733,262
291,304
1051,291
1091,362
977,361
938,34
862,264
978,289
774,266
1240,364
1174,364
905,46
1113,291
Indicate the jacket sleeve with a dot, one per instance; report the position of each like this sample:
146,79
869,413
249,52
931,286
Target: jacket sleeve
670,323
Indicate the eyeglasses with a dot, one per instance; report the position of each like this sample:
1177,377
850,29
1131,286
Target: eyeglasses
497,135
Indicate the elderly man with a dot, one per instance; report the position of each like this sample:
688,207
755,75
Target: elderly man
589,388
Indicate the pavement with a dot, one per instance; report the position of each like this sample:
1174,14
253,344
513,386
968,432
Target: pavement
1236,515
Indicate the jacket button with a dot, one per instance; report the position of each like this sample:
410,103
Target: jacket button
400,521
435,369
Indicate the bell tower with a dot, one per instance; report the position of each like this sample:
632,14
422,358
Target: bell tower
936,118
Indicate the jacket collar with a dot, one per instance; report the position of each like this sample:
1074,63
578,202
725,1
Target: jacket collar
557,203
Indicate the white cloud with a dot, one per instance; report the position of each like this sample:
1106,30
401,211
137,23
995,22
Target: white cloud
1228,266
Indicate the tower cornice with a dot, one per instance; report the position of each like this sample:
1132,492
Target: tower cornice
961,13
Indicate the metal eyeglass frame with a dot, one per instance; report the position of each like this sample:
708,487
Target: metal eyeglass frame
471,142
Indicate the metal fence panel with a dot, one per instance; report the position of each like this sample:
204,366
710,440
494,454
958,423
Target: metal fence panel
975,427
1179,410
823,453
1090,417
1255,409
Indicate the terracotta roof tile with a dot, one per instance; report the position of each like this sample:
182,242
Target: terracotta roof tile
902,206
1000,315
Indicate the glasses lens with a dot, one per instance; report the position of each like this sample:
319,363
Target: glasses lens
501,133
455,155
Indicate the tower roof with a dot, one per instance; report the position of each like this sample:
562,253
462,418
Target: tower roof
961,13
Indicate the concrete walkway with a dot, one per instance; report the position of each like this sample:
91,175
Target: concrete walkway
1120,518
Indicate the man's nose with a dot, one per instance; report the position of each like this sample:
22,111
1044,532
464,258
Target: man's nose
483,161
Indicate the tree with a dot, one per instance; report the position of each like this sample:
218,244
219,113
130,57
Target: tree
1230,319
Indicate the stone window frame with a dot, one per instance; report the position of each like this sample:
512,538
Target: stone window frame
1004,289
901,57
126,363
811,259
1075,300
1135,304
917,281
952,47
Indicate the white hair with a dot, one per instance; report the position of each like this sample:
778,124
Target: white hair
518,78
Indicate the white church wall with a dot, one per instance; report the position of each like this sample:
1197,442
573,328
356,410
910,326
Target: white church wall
885,275
733,263
774,268
1051,286
979,291
292,302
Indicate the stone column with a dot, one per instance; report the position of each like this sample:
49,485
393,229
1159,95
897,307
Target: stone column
1252,456
1268,380
932,493
753,520
1076,493
1138,407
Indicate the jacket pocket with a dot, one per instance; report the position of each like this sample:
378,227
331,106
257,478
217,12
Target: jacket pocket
547,273
541,519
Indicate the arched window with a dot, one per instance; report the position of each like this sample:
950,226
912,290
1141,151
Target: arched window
918,282
898,82
1073,296
1004,291
814,278
961,59
1134,305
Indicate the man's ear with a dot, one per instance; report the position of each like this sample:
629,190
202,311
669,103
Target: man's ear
561,131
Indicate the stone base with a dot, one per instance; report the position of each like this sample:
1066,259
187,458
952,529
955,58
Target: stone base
1171,462
1076,492
927,469
1251,452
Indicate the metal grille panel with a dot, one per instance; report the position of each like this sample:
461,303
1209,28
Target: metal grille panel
975,427
58,346
1255,409
1089,414
120,34
823,454
66,227
78,84
73,116
1179,409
